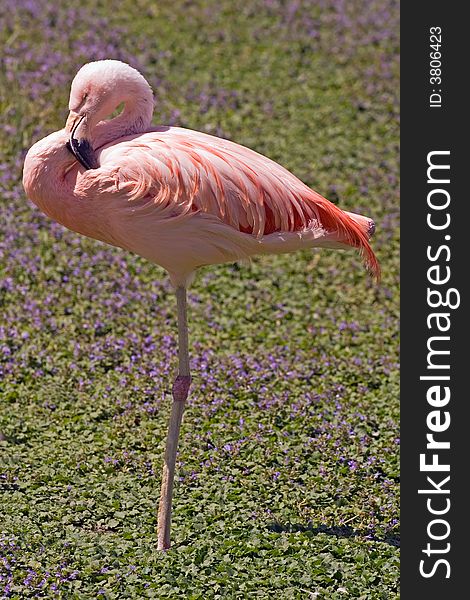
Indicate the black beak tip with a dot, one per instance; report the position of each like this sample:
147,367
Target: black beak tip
83,152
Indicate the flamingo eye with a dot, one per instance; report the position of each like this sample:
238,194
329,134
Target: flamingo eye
80,105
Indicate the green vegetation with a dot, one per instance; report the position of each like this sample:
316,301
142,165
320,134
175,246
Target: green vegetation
288,466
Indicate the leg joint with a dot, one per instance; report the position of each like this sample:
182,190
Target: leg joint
181,387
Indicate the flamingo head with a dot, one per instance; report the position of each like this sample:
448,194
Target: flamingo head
97,90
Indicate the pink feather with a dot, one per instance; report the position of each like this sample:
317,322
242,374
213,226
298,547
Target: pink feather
181,198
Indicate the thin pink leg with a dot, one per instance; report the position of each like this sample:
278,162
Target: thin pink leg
180,394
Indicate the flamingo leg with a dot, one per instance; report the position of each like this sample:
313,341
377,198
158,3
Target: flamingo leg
180,394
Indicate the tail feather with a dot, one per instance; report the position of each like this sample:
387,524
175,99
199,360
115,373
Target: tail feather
353,230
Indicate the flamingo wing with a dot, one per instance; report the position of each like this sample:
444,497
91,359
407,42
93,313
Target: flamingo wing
179,171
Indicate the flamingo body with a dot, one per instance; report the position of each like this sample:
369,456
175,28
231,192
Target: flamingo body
183,199
179,198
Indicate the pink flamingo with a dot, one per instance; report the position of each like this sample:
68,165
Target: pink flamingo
179,198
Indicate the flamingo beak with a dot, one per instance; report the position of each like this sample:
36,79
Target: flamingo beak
71,121
78,144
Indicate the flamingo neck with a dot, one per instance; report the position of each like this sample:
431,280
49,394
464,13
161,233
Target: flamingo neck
49,180
135,118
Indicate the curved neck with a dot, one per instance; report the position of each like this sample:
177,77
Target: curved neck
135,118
49,176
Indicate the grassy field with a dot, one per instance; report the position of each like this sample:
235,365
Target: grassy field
288,473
